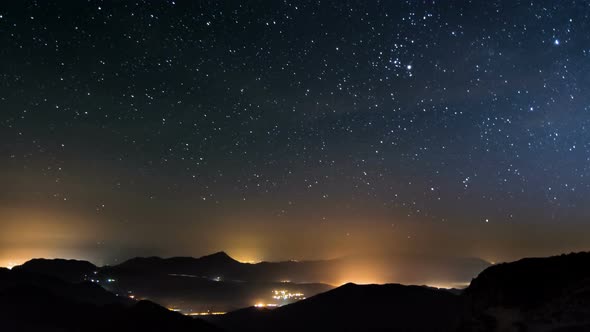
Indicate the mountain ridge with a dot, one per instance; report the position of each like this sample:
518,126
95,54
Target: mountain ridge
531,294
375,307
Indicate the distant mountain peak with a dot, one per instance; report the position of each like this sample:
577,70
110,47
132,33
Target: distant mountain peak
220,256
57,261
348,285
66,269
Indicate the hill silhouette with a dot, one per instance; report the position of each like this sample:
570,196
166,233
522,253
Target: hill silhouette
520,283
83,292
532,294
356,308
395,268
66,269
33,302
408,269
214,282
220,264
217,282
215,264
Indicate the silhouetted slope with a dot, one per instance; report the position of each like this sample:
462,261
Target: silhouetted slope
33,309
531,294
84,292
215,264
408,269
215,282
222,265
356,308
148,316
220,283
68,270
202,294
30,302
210,282
529,282
534,294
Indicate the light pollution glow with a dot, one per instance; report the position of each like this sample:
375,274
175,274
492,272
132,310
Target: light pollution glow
52,234
323,158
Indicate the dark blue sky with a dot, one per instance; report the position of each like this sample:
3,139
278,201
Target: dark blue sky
162,126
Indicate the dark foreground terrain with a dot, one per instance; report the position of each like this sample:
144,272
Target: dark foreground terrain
220,283
33,302
535,294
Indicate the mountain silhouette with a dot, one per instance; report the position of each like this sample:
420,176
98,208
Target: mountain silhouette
529,282
220,257
69,270
214,282
83,292
217,282
393,268
215,264
532,294
405,269
34,302
355,308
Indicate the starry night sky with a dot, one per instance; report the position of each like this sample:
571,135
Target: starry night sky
293,129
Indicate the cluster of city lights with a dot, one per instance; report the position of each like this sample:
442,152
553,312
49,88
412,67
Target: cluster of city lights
266,305
203,313
282,295
206,313
287,295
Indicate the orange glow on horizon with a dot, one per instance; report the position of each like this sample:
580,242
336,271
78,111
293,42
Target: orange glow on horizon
19,256
248,256
10,265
